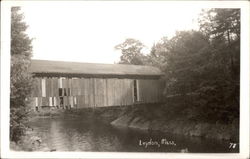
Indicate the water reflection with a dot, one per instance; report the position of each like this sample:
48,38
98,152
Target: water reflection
82,135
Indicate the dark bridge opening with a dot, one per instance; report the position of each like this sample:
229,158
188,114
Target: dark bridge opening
136,91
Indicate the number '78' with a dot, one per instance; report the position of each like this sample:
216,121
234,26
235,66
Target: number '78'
232,145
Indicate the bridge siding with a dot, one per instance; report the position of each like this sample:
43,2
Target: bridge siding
95,92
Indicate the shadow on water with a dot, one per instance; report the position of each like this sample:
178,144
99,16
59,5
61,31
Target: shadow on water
91,135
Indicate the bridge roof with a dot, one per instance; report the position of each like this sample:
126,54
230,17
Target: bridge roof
76,69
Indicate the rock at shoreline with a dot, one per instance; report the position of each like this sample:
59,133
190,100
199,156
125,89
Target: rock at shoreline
29,142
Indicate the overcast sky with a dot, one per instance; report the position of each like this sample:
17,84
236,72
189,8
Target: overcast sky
88,31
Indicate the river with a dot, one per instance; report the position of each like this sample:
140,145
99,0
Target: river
82,135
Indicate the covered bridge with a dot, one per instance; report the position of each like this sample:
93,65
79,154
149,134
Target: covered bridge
80,85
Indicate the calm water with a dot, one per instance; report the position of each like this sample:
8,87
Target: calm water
81,135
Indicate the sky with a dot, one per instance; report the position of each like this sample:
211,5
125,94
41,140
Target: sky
88,31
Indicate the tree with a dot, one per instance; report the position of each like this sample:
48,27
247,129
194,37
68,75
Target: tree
223,28
196,64
157,56
218,23
131,52
181,56
20,79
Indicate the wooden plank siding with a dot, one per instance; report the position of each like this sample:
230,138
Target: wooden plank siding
93,92
150,91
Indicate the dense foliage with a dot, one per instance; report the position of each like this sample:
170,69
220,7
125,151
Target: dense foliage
203,66
20,79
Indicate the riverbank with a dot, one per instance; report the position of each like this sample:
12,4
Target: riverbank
30,141
155,118
166,118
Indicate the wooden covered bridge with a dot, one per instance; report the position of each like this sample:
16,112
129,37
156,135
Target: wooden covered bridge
80,85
